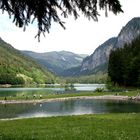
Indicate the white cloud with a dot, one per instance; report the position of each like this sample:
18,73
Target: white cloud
80,36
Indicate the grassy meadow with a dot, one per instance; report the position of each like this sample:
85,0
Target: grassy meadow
84,127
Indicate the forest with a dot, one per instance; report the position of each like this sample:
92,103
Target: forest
124,65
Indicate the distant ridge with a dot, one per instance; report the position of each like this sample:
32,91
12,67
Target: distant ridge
57,62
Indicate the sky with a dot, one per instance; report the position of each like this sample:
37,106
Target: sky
81,36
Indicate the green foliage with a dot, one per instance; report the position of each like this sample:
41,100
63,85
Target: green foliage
124,65
45,12
99,89
69,87
16,68
113,87
6,78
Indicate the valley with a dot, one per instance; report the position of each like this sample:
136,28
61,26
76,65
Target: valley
80,82
27,67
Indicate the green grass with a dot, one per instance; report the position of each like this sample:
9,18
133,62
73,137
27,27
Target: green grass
47,95
84,127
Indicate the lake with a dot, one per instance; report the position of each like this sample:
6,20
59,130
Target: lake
59,108
16,91
67,107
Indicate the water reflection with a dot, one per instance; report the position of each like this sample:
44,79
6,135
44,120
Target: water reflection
67,107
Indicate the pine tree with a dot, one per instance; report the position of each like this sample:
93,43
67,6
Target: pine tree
45,12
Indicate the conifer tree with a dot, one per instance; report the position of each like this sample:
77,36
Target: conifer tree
45,12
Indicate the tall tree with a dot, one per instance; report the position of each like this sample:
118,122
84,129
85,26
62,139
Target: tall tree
44,12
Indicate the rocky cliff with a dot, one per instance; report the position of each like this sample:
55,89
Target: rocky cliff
100,56
128,33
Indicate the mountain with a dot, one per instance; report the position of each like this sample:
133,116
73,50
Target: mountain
57,62
99,57
128,33
16,68
98,61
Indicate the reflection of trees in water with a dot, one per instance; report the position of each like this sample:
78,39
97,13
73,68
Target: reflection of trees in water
12,110
122,106
67,105
56,106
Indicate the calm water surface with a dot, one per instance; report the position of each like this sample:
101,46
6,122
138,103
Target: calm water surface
49,89
67,107
60,108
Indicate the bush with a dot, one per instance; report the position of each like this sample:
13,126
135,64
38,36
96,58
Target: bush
99,89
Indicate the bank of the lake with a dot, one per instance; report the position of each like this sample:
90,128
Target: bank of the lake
47,97
84,127
104,97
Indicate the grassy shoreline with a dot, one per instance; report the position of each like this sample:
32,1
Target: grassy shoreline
103,97
83,127
37,97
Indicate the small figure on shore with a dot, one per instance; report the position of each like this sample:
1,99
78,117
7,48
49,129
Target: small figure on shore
40,96
26,97
5,98
34,96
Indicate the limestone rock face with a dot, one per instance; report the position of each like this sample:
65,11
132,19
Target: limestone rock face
128,32
99,57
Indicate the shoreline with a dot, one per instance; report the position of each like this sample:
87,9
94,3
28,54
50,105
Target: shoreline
104,97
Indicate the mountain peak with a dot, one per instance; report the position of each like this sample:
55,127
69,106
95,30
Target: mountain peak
100,56
129,32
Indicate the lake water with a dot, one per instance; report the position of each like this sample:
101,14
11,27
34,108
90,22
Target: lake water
67,107
60,108
88,87
49,89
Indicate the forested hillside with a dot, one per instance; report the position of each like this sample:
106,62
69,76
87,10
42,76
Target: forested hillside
16,68
124,65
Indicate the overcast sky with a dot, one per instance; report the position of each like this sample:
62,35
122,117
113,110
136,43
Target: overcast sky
81,36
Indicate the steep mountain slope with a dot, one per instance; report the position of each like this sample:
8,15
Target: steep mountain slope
98,61
57,62
99,57
16,68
